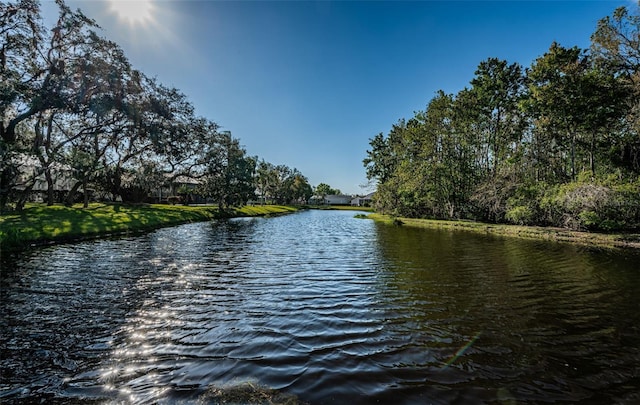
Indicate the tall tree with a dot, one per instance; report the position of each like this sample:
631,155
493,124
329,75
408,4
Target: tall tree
495,97
445,156
266,181
615,46
557,101
229,173
35,70
498,88
381,164
301,190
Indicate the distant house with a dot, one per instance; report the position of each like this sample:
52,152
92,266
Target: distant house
316,200
331,200
362,201
338,199
31,174
183,186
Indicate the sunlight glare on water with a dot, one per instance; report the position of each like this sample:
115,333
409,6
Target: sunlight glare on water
323,306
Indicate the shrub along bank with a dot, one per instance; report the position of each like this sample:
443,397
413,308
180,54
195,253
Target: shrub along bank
40,224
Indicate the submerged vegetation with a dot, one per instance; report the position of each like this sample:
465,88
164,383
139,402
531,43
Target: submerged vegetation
38,224
555,144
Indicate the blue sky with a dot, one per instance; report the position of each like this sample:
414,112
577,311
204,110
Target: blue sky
307,83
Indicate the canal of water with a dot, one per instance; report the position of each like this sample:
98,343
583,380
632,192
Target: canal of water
324,307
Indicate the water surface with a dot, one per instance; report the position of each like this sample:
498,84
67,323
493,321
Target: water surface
323,306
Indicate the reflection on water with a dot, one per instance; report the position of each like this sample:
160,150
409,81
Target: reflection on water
536,321
323,306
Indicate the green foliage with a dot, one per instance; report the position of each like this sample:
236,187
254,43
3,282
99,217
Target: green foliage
228,178
70,102
589,219
281,184
520,215
592,205
379,162
324,189
555,144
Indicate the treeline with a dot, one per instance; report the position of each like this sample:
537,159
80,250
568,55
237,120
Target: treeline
70,102
554,144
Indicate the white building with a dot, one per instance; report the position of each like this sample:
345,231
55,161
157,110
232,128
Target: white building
331,199
31,174
362,201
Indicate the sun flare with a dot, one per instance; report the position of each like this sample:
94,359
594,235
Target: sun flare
133,12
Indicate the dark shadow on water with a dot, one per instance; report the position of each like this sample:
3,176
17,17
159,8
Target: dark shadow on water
553,321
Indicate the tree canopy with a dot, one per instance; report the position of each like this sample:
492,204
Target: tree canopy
553,144
72,107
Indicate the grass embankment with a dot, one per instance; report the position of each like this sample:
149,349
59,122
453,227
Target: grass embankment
525,232
39,224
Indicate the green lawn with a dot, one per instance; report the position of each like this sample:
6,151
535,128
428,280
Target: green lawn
41,224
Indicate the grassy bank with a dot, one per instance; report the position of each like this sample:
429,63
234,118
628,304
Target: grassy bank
39,224
526,232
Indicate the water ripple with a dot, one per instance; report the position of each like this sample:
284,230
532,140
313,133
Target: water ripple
323,306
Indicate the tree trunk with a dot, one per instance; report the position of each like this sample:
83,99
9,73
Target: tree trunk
592,161
86,194
573,157
5,187
68,201
24,196
50,185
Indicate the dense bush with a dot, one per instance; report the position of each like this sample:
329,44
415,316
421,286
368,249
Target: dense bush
592,206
